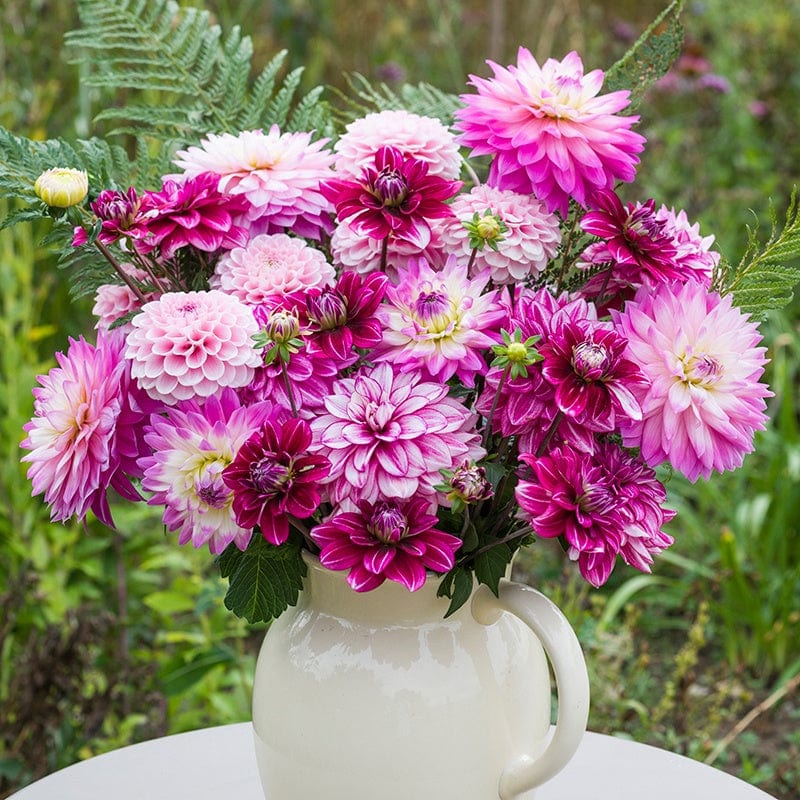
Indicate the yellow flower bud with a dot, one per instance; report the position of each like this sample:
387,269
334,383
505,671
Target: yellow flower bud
517,351
488,228
62,187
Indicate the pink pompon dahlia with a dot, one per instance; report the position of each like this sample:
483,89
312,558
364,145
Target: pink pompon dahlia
395,197
273,476
423,138
84,436
115,300
530,239
703,400
271,265
189,214
439,323
604,505
192,344
549,131
279,175
388,434
191,446
394,539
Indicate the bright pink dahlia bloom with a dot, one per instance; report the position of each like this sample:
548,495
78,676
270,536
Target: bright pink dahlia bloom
423,138
439,323
273,476
279,174
530,241
395,197
271,265
191,446
119,214
394,539
604,505
190,214
85,433
549,131
704,399
388,434
191,344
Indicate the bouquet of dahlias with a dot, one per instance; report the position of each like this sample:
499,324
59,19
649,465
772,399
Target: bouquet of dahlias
355,347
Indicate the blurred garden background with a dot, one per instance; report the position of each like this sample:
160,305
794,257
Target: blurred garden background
107,638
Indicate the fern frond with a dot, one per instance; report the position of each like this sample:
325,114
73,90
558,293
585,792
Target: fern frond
767,275
650,57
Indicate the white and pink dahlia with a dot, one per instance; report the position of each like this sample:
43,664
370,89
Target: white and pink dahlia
192,344
84,436
387,435
530,240
271,265
704,399
694,254
279,174
549,131
440,323
191,446
424,138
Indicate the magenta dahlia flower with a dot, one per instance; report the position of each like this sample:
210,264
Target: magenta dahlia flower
190,448
704,399
439,323
192,344
423,138
279,175
388,434
549,131
394,539
274,477
604,505
119,214
85,433
530,240
271,265
190,214
396,197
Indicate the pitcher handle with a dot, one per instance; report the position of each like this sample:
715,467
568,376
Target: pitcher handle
572,681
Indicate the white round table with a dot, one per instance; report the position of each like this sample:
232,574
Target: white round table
216,763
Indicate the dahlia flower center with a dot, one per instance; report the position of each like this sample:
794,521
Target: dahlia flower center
328,310
702,370
560,100
590,360
595,500
210,488
388,524
377,415
391,187
435,311
269,477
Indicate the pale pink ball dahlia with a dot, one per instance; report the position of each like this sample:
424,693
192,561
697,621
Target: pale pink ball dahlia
113,301
279,174
192,344
548,130
84,436
531,238
388,434
424,138
703,400
271,265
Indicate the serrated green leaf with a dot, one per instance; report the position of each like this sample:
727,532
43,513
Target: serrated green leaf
457,585
491,565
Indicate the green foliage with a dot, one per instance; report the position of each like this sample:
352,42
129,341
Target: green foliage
766,277
265,579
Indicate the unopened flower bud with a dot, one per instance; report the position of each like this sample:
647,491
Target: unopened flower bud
469,484
282,326
488,228
62,187
328,310
391,188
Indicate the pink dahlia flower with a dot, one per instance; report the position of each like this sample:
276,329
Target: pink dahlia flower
190,214
604,505
423,138
119,214
271,265
439,323
703,400
531,238
84,436
395,197
191,446
192,344
388,435
394,539
273,477
116,300
549,131
279,175
694,254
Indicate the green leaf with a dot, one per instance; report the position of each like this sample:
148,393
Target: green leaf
491,565
177,679
650,57
264,580
457,585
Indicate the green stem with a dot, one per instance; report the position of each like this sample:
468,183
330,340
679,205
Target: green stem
288,387
488,430
121,272
550,433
